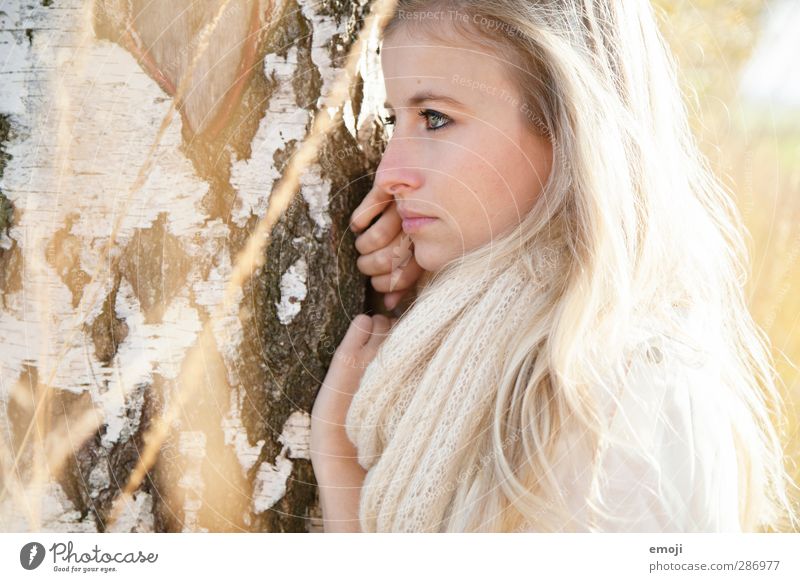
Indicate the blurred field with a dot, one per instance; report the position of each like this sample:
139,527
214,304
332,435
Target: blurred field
755,148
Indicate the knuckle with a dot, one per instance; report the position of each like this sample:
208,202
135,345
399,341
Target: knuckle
381,236
384,261
361,243
382,319
368,241
380,284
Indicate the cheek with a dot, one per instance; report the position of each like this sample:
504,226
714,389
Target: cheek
477,202
523,178
467,208
500,194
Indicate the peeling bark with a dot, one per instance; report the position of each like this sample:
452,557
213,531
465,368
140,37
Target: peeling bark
81,111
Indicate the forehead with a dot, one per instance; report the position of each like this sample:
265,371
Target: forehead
442,64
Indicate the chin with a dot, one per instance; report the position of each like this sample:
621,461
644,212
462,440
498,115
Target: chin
432,258
427,258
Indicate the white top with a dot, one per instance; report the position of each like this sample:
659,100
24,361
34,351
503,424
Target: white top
689,482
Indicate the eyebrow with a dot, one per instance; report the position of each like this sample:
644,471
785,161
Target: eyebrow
419,98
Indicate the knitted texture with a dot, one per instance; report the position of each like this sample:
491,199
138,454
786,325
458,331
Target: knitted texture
423,416
416,427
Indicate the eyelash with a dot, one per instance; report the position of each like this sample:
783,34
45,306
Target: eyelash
427,114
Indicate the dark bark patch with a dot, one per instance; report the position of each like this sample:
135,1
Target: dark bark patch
156,266
108,331
6,208
63,254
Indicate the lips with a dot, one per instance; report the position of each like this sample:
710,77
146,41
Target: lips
413,221
406,214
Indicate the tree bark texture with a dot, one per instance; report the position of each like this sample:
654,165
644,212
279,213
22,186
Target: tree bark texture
120,227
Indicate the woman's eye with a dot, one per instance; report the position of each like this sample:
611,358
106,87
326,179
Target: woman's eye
435,119
439,119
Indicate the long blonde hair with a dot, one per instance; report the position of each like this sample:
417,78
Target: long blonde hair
650,241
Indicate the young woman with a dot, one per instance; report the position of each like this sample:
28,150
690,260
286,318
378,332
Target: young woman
581,357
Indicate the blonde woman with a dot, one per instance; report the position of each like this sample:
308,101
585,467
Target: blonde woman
580,357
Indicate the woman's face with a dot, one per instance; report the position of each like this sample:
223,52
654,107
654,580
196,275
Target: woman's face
461,150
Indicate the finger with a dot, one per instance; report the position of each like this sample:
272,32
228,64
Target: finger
399,279
358,333
392,300
394,255
380,329
372,205
405,276
387,229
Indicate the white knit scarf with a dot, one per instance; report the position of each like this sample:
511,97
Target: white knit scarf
425,403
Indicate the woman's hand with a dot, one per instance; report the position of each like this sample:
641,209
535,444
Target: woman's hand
333,457
352,356
386,251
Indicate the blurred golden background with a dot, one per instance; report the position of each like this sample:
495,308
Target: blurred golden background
739,73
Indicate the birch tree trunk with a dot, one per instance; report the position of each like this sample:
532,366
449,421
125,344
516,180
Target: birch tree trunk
121,224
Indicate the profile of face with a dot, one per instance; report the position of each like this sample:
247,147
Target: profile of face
462,151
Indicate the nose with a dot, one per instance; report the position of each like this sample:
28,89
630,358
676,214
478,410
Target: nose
399,172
